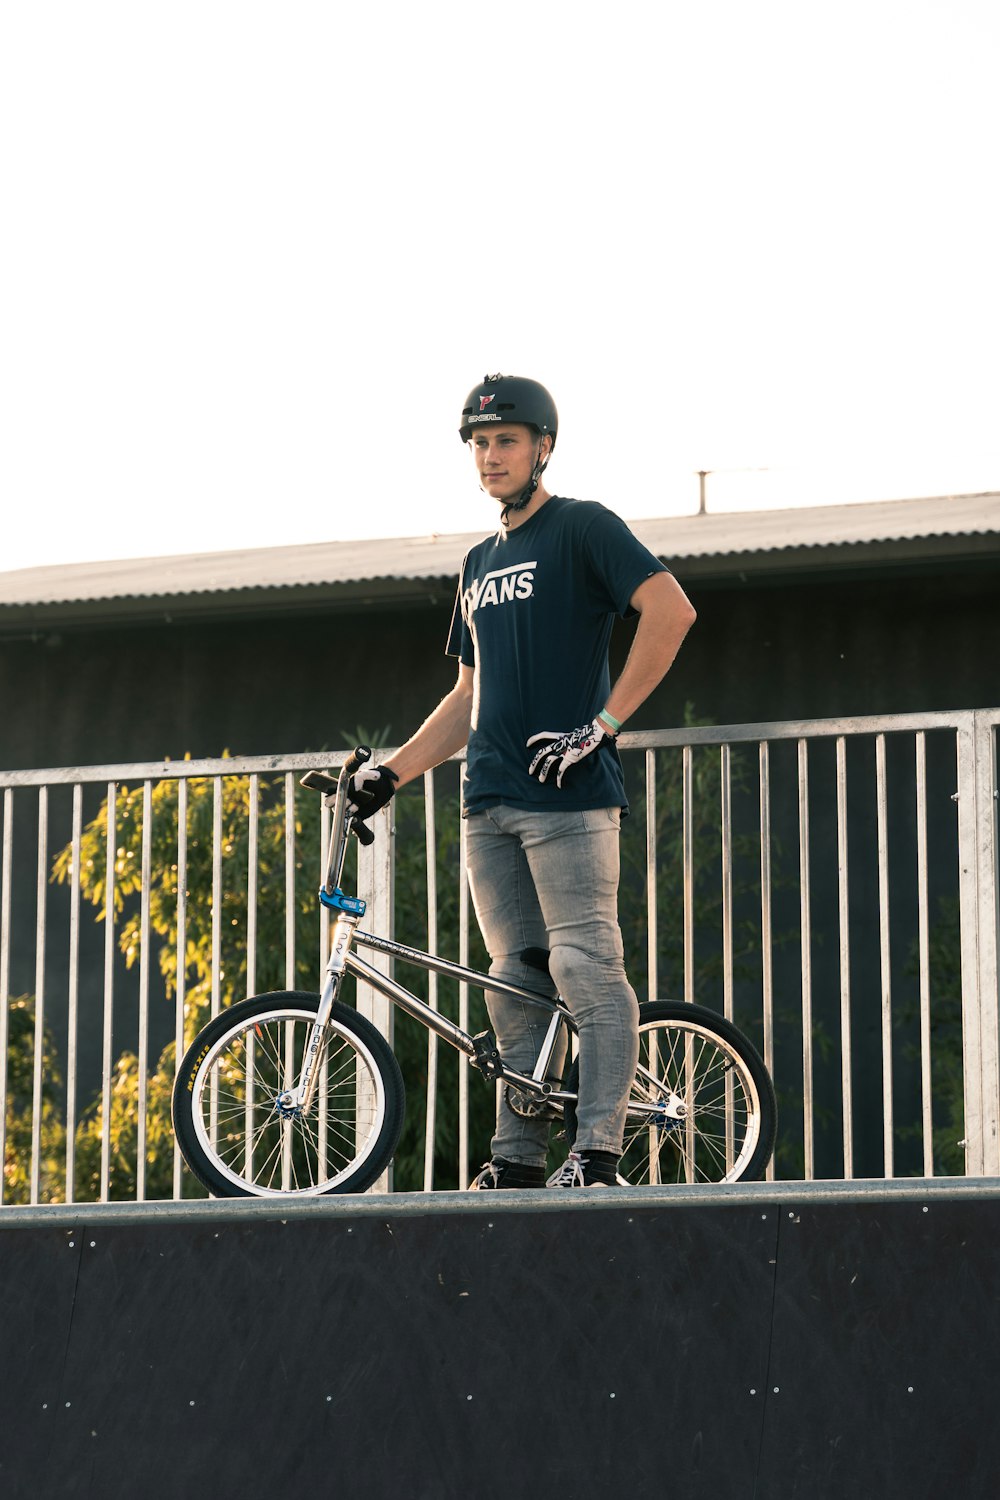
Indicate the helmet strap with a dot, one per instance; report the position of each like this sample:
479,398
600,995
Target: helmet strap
524,498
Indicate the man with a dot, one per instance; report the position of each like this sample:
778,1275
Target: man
543,791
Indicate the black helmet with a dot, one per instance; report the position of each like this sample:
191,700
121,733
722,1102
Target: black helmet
509,398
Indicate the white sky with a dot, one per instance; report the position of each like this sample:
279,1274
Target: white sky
254,256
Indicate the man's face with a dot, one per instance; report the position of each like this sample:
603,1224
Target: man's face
505,455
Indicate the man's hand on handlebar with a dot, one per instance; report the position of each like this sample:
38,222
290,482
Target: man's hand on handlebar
369,789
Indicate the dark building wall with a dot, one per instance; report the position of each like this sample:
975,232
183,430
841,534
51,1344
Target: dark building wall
821,649
282,683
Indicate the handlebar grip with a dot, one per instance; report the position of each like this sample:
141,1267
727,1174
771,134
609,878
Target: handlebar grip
319,781
357,758
362,832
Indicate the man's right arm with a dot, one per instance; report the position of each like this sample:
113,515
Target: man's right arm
441,735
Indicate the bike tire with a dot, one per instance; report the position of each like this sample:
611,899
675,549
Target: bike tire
226,1091
730,1120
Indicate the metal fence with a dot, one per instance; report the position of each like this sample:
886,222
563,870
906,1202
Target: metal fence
829,884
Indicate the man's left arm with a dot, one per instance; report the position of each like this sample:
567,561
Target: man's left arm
665,617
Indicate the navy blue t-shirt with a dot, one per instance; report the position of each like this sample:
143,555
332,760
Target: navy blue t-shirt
533,616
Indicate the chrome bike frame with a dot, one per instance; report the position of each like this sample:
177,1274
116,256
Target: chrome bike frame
481,1048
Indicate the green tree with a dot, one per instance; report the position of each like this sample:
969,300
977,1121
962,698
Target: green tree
229,801
19,1111
231,804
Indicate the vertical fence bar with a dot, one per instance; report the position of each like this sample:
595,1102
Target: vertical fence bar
289,880
216,1005
726,816
111,854
652,936
430,850
289,1061
216,895
144,956
73,996
968,896
325,819
924,957
805,937
463,1009
978,883
180,995
250,1063
726,820
988,893
885,960
844,919
41,907
323,1122
376,863
375,886
253,841
6,863
687,799
766,934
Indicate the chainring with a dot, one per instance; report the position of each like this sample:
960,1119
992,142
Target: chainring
530,1106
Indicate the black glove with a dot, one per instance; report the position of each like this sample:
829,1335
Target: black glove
563,750
370,788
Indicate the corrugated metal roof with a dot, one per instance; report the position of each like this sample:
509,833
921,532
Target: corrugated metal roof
302,566
677,539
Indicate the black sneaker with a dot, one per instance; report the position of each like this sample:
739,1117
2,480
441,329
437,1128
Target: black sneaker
501,1173
586,1169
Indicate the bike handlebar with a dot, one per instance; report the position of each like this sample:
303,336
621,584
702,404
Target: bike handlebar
321,781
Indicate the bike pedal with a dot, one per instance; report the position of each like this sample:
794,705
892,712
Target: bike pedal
486,1057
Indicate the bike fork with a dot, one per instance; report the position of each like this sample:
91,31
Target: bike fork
300,1100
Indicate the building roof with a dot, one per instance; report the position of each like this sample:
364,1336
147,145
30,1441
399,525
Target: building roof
708,547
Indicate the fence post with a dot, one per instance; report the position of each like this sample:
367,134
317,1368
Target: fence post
977,843
376,886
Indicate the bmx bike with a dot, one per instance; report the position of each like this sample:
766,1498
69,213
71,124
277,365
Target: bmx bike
295,1094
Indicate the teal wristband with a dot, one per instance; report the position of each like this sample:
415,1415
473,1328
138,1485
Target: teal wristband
609,719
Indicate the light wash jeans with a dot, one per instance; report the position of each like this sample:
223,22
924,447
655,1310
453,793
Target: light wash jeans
549,879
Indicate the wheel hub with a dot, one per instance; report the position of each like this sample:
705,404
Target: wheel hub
667,1114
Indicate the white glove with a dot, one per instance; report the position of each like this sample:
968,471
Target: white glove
565,749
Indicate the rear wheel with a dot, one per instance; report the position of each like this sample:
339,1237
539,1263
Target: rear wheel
242,1138
702,1105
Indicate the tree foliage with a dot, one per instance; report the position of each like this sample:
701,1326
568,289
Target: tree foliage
20,1110
216,854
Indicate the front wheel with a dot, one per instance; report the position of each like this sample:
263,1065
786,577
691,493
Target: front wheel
232,1118
701,1107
